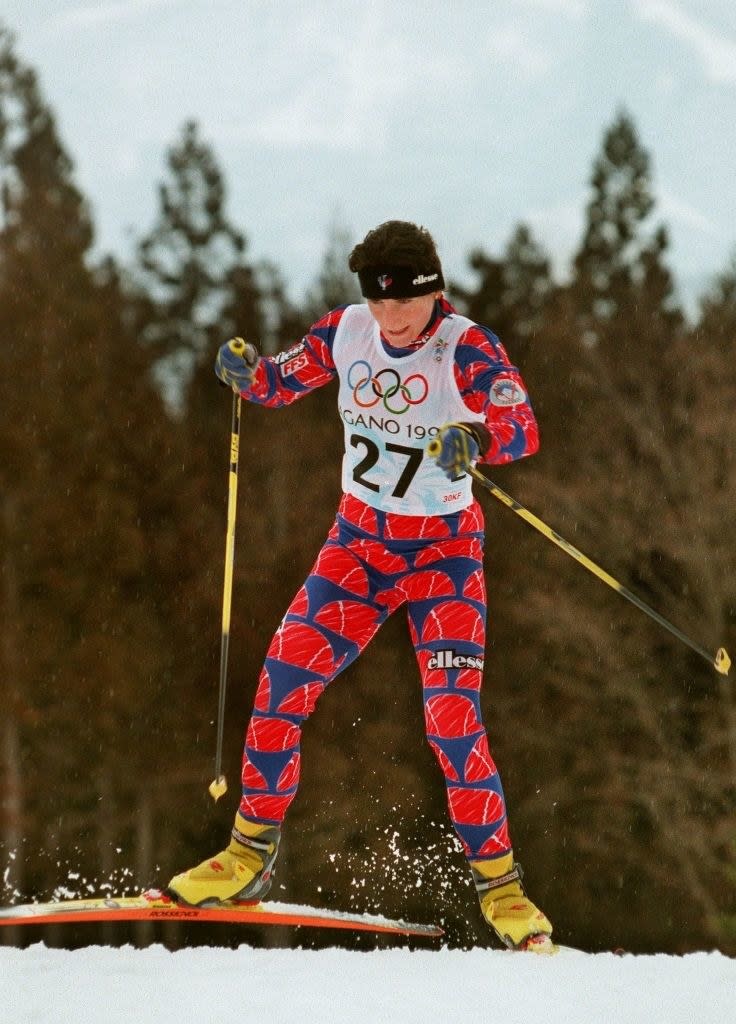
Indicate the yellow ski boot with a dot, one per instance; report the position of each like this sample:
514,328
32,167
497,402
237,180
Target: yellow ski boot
506,907
242,871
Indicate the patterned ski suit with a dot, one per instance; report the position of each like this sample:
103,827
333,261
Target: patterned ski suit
403,534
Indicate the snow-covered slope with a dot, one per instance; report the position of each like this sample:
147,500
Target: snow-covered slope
39,985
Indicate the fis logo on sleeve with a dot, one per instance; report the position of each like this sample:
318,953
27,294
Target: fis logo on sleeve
292,359
451,659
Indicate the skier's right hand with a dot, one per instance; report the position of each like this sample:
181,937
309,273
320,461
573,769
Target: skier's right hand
236,364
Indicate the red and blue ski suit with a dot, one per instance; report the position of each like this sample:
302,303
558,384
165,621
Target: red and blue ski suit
375,560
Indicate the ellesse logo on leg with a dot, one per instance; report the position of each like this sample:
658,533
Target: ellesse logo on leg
451,659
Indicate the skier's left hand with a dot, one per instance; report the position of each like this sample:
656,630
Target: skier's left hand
454,449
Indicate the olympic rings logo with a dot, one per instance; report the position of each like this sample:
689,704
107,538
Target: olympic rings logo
369,388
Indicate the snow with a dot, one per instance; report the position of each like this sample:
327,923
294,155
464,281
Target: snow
41,985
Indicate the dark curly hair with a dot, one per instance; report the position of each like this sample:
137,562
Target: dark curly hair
397,242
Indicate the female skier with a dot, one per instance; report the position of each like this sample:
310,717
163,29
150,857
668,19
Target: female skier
407,532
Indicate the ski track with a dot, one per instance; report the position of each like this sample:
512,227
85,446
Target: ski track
203,985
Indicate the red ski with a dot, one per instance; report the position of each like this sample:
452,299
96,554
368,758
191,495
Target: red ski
154,905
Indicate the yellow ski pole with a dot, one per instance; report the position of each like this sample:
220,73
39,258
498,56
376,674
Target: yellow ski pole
720,661
218,786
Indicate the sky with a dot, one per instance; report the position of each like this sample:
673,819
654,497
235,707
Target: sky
469,117
39,985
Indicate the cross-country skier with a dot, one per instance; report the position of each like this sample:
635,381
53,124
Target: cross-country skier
407,532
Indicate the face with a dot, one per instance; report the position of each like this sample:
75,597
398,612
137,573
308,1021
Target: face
401,321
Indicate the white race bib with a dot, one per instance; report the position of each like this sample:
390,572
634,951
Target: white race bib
391,407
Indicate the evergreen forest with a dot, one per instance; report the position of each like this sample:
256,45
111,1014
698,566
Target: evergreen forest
615,741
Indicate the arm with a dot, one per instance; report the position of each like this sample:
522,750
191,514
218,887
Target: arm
491,386
282,379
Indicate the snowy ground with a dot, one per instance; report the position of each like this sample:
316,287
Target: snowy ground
39,985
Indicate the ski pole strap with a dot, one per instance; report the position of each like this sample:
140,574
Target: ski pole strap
488,884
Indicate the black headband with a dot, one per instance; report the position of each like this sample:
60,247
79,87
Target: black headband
398,282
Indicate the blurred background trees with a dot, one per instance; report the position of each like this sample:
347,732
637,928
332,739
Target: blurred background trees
617,745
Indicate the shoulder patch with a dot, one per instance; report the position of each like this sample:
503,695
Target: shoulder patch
507,392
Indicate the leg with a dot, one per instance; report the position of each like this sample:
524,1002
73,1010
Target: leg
448,632
327,625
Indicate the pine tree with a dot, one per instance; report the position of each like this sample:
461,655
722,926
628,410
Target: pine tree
44,232
336,285
83,494
619,268
484,303
623,295
708,354
631,478
512,292
528,281
196,288
718,307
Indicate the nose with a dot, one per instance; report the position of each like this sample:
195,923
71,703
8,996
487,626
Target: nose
394,315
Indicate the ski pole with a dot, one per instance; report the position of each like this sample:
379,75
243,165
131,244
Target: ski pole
218,786
720,661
